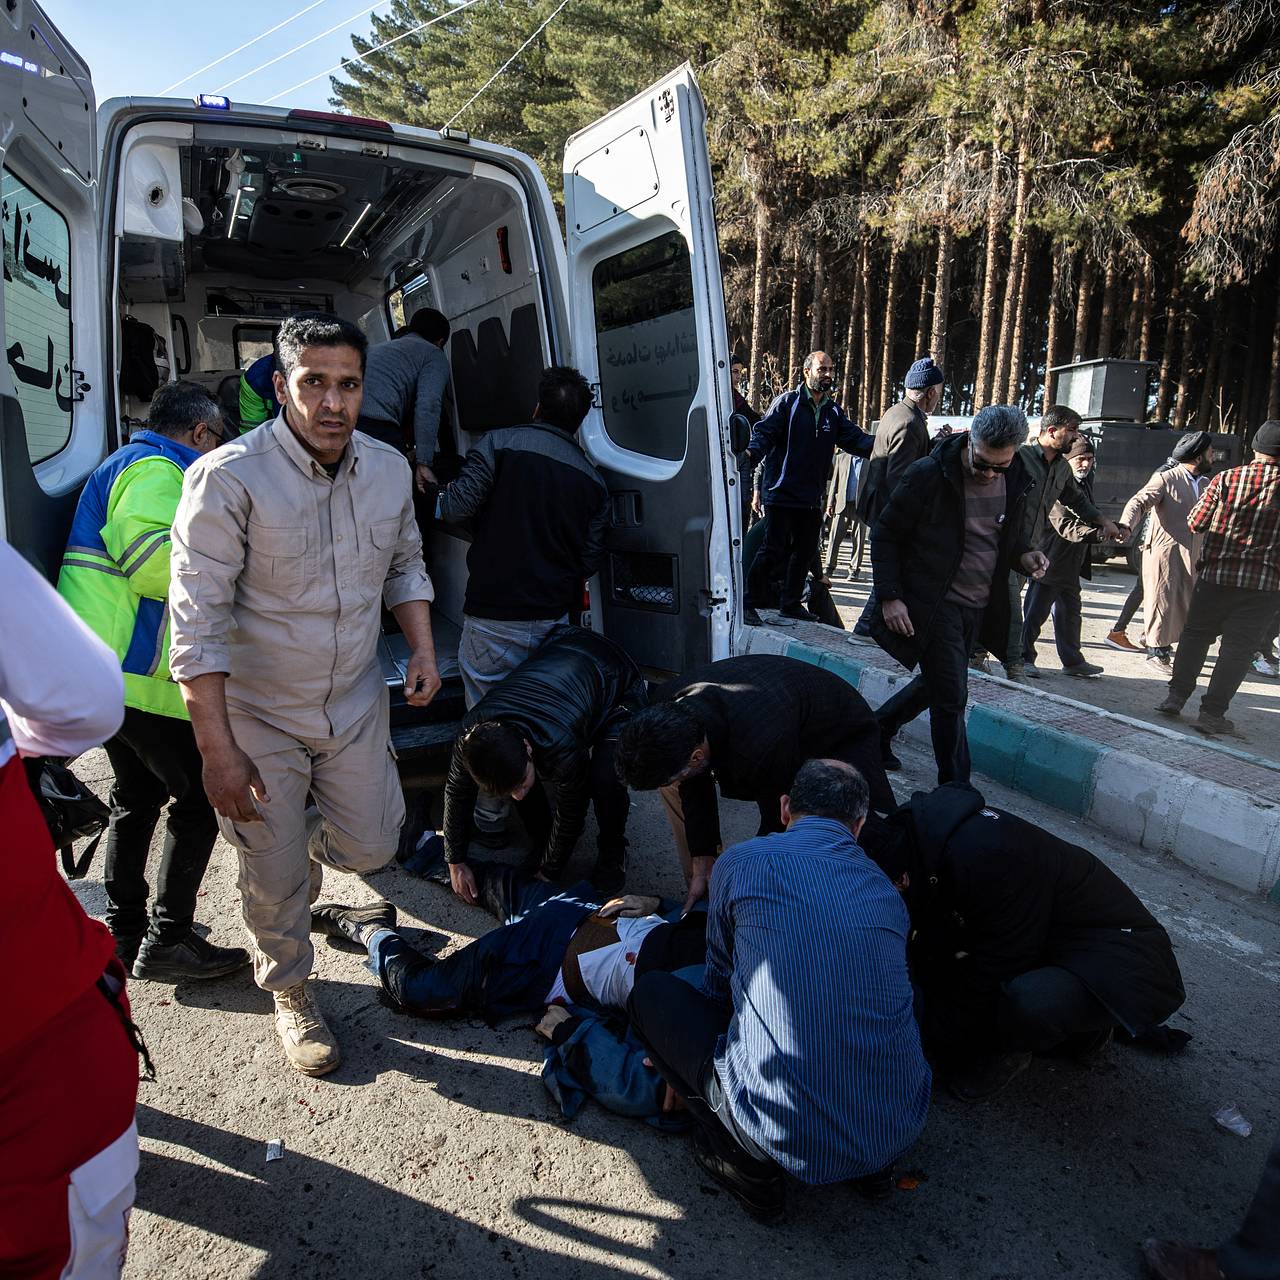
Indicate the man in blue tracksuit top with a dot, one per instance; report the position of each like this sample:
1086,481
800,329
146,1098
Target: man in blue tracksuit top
797,438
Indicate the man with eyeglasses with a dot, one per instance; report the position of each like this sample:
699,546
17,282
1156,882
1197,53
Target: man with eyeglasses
797,439
115,575
941,552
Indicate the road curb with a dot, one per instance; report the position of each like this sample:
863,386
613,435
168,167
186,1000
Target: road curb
1218,830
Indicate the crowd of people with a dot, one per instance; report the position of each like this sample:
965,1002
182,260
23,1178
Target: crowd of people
220,606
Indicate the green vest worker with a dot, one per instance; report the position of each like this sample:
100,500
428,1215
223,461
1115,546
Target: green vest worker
258,402
115,575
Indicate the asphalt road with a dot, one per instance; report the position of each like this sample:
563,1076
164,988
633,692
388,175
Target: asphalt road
435,1151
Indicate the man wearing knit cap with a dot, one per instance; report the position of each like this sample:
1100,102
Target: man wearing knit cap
1169,548
1239,584
901,437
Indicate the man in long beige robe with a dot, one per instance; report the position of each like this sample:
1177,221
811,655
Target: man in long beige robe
1169,549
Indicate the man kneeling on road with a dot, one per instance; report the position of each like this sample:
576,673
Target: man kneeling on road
1021,942
555,718
745,724
286,543
801,1053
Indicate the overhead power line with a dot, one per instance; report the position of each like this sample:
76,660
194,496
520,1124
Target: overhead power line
288,53
542,26
240,49
368,53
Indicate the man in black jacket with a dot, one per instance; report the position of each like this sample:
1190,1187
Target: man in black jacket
746,725
539,510
1022,943
941,552
798,436
555,718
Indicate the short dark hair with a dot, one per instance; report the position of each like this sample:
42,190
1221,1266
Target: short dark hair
315,329
430,324
1058,415
495,756
564,396
655,744
178,406
830,789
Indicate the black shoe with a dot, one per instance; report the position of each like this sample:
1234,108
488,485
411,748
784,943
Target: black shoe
861,629
989,1077
193,957
798,612
417,819
337,921
751,618
875,1187
1087,1049
127,949
1171,707
891,762
764,1197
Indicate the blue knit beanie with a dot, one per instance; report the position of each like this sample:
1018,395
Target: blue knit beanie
924,373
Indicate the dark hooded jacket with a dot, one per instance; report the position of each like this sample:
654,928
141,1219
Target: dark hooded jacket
993,896
918,542
576,689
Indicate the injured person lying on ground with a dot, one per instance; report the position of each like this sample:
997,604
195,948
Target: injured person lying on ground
562,947
1022,944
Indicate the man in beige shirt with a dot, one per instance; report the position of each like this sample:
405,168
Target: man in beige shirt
284,546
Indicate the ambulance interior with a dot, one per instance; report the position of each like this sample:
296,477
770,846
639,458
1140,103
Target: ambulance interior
264,228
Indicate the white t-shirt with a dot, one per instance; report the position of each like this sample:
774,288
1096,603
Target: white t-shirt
609,973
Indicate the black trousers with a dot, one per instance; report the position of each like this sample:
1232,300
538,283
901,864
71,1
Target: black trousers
1253,1253
1045,1008
1064,603
1240,616
1130,606
155,758
942,686
610,799
680,1026
790,543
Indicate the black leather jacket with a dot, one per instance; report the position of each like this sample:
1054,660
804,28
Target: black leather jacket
575,690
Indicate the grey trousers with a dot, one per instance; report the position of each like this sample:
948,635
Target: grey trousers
845,525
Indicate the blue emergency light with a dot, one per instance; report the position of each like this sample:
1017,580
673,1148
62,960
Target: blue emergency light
213,101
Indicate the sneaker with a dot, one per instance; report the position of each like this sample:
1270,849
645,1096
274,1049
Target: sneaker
1084,670
308,1043
751,618
1215,726
762,1195
1160,662
1171,707
1118,640
1265,667
796,612
989,1077
1032,672
192,958
783,620
127,949
337,921
1017,673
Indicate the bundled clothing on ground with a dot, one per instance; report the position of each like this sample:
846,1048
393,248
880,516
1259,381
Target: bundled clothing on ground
569,702
994,898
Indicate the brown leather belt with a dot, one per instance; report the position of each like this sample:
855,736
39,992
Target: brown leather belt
592,934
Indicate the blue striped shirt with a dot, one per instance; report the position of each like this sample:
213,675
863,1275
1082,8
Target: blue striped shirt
821,1064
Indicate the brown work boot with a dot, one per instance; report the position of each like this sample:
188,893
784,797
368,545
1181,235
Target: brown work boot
308,1043
1216,726
1168,1260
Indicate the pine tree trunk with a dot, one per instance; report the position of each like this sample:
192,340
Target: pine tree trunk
1273,388
794,357
1148,306
1051,338
1088,271
866,412
942,294
890,329
759,291
819,297
923,316
1005,376
1133,319
847,383
1018,346
1107,322
1208,390
1164,388
1185,371
986,332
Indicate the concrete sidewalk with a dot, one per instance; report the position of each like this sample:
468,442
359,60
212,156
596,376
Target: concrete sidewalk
1213,807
